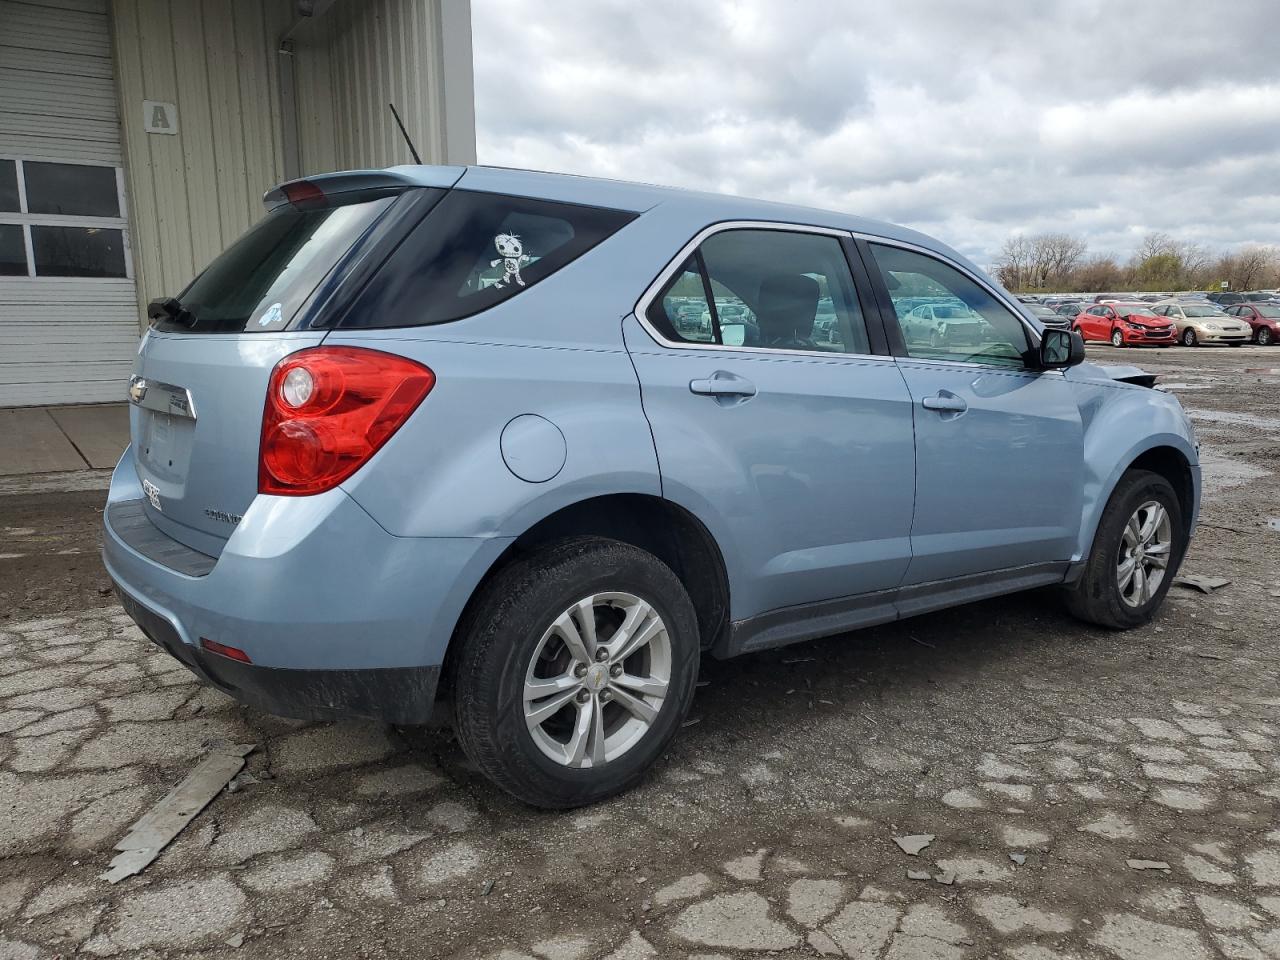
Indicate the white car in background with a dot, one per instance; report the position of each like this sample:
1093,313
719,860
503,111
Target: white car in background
1203,323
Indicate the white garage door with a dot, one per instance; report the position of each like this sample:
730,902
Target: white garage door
68,313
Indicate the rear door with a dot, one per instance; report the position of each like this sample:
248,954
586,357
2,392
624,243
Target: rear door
201,382
999,445
795,449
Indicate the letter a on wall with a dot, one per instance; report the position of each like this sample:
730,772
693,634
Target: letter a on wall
158,117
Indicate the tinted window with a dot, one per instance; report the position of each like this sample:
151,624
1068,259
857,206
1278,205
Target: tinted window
475,250
977,328
681,312
8,186
258,283
13,252
1271,313
71,189
779,290
78,251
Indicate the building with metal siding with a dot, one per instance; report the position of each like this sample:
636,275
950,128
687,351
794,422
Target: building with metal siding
138,136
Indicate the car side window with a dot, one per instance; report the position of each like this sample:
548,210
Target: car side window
770,289
967,323
682,311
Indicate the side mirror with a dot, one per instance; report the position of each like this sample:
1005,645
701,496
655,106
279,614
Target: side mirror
1060,348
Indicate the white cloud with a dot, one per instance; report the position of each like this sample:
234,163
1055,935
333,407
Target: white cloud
969,121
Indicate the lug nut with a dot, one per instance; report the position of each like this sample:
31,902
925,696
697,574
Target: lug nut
584,696
602,654
606,695
615,670
580,670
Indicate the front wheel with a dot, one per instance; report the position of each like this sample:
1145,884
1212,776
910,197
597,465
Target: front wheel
1136,551
1117,338
1264,336
576,668
1188,337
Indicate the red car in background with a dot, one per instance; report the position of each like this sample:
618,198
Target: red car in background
1263,317
1124,324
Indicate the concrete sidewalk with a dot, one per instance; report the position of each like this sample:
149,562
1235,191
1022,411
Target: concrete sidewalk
58,439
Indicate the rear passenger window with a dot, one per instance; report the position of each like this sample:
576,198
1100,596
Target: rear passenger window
683,310
475,250
770,289
946,315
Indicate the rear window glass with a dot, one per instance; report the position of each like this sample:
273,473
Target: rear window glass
260,281
475,250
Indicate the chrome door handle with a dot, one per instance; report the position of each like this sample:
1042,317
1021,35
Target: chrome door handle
945,402
723,387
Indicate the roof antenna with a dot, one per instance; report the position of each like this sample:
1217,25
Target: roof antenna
405,133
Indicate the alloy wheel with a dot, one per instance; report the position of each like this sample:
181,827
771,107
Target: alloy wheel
1117,338
1264,336
1188,337
1143,557
597,679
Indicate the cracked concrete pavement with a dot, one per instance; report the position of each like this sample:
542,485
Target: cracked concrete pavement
1043,757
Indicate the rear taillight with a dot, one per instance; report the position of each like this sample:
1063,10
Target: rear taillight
328,410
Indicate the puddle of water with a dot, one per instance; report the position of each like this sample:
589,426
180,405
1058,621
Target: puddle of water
1227,416
1220,472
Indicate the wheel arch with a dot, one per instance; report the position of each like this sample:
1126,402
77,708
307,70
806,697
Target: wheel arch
1169,456
659,526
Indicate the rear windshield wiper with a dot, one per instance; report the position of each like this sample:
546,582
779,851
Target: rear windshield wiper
170,308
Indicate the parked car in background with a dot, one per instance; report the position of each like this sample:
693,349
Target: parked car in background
942,324
1050,318
1263,318
371,460
1226,299
1125,324
1070,309
1204,323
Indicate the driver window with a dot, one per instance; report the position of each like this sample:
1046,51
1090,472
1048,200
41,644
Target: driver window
965,322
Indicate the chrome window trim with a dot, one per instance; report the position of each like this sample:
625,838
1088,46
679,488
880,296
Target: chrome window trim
651,292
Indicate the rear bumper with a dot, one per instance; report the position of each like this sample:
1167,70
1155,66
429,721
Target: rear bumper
339,617
400,695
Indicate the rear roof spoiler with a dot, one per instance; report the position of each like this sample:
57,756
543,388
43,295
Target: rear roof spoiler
372,182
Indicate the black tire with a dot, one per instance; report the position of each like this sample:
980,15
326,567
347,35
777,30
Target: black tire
1189,337
500,636
1095,597
1264,336
1117,337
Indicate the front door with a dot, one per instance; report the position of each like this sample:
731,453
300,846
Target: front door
999,445
774,419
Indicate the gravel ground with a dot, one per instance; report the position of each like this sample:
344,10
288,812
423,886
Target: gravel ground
1086,794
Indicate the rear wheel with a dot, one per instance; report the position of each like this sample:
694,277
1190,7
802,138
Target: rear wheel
576,668
1136,552
1189,337
1117,337
1264,336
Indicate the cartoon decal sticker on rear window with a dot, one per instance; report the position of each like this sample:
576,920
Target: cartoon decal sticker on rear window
272,316
512,255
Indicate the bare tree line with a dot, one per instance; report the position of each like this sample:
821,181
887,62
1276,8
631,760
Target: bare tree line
1060,262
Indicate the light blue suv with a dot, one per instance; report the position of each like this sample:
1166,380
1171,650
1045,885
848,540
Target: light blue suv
440,431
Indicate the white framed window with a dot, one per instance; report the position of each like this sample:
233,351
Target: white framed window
61,219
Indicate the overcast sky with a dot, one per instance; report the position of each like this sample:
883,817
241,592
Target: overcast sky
1104,119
